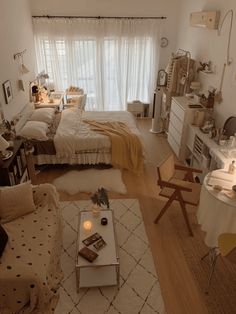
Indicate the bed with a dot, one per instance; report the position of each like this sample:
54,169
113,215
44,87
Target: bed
70,139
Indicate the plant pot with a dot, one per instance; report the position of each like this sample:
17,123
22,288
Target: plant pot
96,210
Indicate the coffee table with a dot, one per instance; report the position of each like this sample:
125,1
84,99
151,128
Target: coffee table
105,269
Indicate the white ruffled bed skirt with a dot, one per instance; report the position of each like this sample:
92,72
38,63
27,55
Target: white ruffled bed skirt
79,159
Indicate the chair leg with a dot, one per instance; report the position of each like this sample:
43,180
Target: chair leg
168,203
213,264
183,208
208,253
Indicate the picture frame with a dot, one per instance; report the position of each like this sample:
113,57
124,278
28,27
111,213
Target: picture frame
7,91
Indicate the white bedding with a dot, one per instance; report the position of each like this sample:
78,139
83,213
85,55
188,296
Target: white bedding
74,135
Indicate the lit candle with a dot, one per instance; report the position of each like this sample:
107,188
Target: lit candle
87,225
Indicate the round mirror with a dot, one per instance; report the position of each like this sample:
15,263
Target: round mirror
229,128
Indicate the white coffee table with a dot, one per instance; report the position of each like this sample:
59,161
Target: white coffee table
105,269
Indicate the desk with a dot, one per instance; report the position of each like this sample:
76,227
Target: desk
216,212
57,103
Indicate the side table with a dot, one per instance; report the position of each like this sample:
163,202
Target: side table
216,212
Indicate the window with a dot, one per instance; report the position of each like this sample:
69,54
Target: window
111,69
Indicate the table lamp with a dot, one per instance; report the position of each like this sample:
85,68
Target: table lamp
3,146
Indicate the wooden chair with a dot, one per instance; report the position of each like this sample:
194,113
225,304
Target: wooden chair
185,191
226,249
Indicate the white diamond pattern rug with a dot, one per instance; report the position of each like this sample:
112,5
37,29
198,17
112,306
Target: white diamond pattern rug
139,291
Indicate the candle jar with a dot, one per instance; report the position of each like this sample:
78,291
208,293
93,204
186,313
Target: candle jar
87,225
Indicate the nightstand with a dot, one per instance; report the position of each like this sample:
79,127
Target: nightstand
14,170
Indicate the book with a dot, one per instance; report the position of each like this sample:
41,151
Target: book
19,165
91,239
99,244
12,178
88,254
23,158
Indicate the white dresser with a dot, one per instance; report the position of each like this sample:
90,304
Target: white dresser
180,116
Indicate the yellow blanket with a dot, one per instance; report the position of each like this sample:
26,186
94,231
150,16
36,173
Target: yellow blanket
126,147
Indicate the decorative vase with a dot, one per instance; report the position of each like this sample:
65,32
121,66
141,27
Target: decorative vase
96,210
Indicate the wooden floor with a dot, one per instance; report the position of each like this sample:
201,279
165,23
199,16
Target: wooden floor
179,287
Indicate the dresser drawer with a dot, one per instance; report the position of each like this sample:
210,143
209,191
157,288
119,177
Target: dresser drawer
178,111
173,144
174,133
176,122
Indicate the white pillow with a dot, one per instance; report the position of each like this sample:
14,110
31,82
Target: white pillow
16,201
34,130
43,114
21,118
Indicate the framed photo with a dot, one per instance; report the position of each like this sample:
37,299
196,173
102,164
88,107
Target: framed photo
7,91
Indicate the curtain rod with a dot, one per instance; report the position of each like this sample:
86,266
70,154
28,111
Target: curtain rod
99,17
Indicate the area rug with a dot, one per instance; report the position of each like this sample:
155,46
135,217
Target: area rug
139,290
90,180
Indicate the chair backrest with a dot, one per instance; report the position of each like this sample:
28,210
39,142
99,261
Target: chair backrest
83,102
166,169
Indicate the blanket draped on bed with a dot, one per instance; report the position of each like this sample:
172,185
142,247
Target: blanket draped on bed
126,147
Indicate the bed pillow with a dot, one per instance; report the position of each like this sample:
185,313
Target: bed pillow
21,118
43,114
34,130
16,201
3,239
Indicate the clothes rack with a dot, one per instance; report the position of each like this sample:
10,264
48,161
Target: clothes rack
100,17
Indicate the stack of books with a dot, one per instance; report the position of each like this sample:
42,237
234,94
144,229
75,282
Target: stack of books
98,243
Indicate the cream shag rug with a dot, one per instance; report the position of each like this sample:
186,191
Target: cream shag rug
90,180
139,290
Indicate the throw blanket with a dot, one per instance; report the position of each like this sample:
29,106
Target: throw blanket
126,147
74,135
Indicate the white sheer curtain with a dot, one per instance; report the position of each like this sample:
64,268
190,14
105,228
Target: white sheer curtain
113,60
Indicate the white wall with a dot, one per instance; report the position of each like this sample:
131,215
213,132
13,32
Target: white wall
205,45
167,8
15,35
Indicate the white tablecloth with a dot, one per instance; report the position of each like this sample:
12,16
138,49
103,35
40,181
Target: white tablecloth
216,213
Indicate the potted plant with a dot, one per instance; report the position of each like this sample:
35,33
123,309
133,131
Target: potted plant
99,198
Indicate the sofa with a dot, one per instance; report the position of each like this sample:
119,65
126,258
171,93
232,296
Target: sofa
30,271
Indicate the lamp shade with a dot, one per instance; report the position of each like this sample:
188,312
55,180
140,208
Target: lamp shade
3,143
